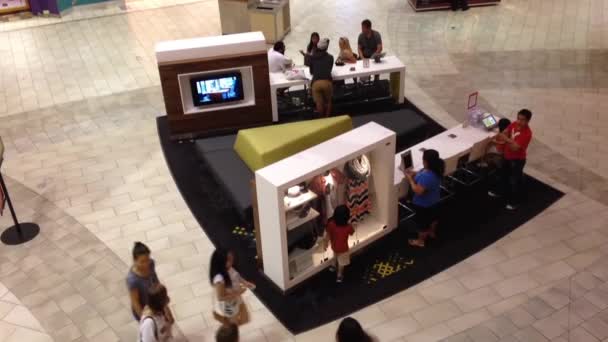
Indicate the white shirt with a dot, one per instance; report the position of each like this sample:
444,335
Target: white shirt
146,329
229,308
277,61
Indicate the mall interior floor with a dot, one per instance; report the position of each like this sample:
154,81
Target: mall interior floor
78,101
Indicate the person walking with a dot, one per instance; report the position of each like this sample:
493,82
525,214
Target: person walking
141,277
156,321
229,307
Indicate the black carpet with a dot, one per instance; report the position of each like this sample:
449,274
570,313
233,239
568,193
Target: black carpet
470,222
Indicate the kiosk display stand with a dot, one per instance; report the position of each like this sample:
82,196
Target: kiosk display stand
272,17
287,267
234,16
215,85
20,232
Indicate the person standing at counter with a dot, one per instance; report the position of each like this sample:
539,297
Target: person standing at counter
370,41
311,48
517,137
228,304
321,64
156,321
426,185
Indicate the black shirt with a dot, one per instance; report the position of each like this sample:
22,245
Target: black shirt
321,64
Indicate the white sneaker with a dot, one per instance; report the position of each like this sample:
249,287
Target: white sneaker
493,194
511,207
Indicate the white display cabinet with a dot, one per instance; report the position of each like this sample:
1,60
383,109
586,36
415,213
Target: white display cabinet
275,209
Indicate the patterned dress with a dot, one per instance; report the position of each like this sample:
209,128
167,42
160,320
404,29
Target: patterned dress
357,189
357,199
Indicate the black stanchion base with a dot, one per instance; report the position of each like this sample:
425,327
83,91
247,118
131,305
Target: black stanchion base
11,235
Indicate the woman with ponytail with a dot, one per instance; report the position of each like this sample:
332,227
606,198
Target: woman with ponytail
426,185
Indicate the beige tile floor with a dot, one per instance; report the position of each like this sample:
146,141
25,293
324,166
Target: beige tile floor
78,100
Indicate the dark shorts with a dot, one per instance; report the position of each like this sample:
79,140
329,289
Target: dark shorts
425,216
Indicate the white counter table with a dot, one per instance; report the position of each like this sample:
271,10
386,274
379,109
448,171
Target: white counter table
389,65
451,145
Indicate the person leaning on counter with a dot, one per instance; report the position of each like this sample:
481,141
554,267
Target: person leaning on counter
426,185
370,41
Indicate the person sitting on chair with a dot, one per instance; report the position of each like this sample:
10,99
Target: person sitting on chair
346,52
277,61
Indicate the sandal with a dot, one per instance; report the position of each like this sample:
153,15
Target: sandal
416,243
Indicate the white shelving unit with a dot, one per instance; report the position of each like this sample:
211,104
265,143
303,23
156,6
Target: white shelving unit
287,270
295,221
294,202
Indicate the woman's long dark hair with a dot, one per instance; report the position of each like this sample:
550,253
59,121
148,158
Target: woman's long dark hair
433,162
157,298
351,331
218,266
311,45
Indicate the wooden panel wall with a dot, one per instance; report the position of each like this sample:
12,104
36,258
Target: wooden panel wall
222,121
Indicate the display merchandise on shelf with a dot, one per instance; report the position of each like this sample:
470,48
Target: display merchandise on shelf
295,220
301,199
324,172
301,260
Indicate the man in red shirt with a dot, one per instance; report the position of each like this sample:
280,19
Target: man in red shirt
517,137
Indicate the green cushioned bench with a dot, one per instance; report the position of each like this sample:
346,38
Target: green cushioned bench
262,146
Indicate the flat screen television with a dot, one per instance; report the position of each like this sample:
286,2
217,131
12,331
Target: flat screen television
216,89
